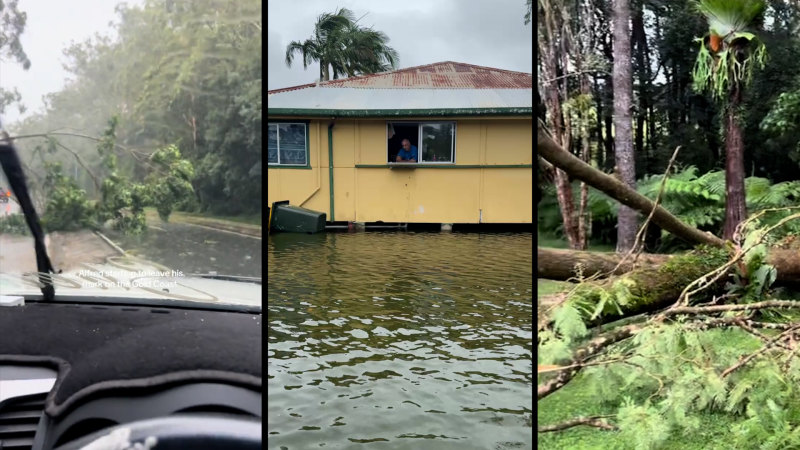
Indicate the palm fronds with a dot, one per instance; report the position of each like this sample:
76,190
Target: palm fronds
345,47
726,17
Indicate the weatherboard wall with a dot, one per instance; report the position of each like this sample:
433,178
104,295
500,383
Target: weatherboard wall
491,181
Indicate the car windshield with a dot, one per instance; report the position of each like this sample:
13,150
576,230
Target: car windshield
138,130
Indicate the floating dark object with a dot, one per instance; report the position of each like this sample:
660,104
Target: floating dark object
294,219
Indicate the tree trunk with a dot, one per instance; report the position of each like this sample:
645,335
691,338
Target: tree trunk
551,49
554,154
644,289
627,225
644,75
735,206
324,70
560,264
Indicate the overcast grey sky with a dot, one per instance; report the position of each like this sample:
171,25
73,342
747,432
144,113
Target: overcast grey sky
51,26
482,32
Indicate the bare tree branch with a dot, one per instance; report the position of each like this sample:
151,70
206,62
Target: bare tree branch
588,421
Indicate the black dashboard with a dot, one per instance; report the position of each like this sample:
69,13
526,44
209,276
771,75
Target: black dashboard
70,371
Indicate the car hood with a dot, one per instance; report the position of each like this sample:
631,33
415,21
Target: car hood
143,282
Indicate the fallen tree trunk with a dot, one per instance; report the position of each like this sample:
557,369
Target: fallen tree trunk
559,264
644,289
572,165
562,265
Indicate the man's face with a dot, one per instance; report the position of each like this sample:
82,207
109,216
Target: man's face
406,145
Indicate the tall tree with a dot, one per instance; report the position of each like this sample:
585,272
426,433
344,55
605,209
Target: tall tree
553,53
627,223
343,47
12,25
725,64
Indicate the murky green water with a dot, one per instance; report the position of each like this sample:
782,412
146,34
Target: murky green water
400,341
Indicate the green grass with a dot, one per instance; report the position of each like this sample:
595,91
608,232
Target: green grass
551,241
547,287
249,219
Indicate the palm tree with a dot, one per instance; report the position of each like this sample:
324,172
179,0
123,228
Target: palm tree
725,63
343,47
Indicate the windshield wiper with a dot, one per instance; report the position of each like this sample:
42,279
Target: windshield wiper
16,178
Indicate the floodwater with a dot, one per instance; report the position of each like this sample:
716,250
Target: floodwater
400,341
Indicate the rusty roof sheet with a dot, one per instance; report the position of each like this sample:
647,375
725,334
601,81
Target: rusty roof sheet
443,75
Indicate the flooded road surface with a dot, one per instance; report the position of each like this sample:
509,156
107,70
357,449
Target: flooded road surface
194,249
400,341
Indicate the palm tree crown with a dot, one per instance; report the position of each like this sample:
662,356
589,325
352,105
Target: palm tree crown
341,45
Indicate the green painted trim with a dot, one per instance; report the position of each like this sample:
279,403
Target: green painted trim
281,166
305,121
445,166
308,151
399,112
330,165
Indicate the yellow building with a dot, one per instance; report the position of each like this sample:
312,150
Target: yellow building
333,147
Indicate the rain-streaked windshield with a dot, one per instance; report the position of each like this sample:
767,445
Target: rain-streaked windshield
138,126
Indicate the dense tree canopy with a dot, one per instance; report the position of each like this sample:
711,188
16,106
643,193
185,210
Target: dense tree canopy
668,109
183,73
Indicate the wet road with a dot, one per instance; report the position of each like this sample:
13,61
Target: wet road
400,341
67,251
194,249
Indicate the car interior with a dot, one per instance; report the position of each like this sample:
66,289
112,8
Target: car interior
95,373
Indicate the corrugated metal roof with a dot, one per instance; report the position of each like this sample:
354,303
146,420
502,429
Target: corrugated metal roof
443,75
390,100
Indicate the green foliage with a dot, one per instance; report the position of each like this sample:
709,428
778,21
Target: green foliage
12,25
67,207
188,75
551,349
720,71
14,224
741,52
171,185
785,114
642,425
122,200
568,323
670,384
698,200
341,45
783,119
726,17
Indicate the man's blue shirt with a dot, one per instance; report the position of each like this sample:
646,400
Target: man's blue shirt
411,154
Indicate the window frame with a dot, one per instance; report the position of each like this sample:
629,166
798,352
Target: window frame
420,124
279,165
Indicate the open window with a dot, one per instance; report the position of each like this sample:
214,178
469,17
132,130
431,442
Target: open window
287,144
435,141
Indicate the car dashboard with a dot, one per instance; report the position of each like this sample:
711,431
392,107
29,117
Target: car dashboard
72,371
